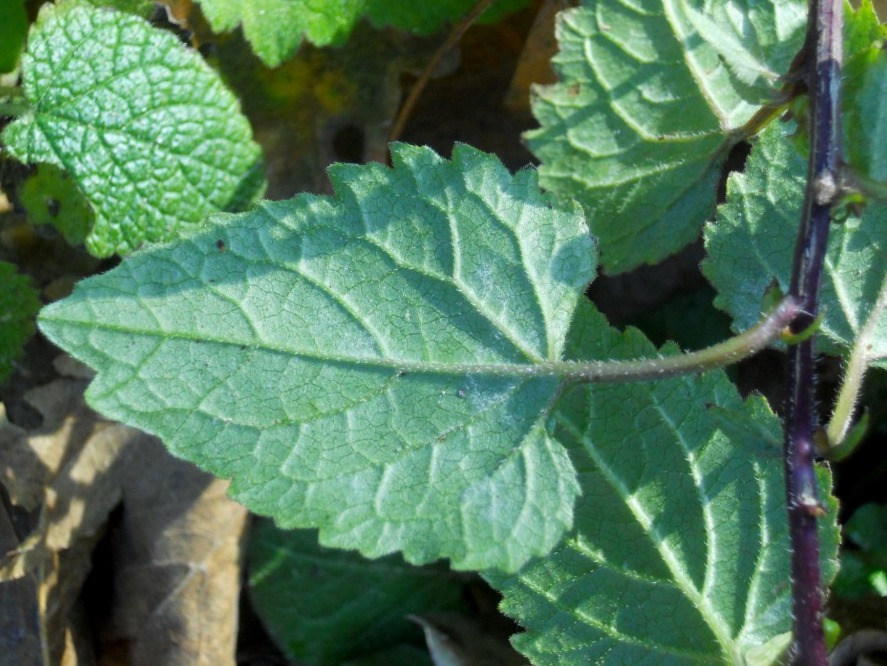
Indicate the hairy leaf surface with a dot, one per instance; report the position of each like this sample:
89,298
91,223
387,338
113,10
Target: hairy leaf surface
19,303
148,131
652,96
752,243
679,551
325,606
365,364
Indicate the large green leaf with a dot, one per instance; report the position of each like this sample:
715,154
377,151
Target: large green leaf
371,364
326,606
275,28
752,243
147,130
680,550
652,96
19,303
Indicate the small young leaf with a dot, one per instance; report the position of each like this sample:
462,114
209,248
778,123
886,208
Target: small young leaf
752,242
275,28
19,303
148,131
325,606
365,364
51,197
679,554
652,96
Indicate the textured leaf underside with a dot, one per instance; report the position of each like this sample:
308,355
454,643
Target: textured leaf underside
364,363
651,97
679,551
148,131
752,244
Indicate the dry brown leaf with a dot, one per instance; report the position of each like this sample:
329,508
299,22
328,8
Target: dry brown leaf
174,565
534,64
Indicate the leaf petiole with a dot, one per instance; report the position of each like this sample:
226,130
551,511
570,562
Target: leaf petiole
724,353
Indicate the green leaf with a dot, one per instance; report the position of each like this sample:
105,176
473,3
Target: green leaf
51,197
147,130
19,303
680,550
864,569
143,8
13,29
325,606
372,364
652,97
429,17
864,88
752,243
861,29
275,28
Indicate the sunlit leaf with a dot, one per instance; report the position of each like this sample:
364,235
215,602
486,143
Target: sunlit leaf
375,364
146,129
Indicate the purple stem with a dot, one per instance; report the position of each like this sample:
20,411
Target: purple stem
823,63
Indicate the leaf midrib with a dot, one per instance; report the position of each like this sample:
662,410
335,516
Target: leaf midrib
525,370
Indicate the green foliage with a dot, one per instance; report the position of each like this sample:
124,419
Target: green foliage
146,129
651,98
13,29
865,87
275,28
428,17
354,607
51,197
420,425
752,244
19,303
394,365
864,569
680,538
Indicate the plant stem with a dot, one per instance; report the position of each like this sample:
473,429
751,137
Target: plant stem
455,35
724,353
823,62
854,372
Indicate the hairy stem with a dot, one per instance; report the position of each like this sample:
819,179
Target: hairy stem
823,62
854,372
724,353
